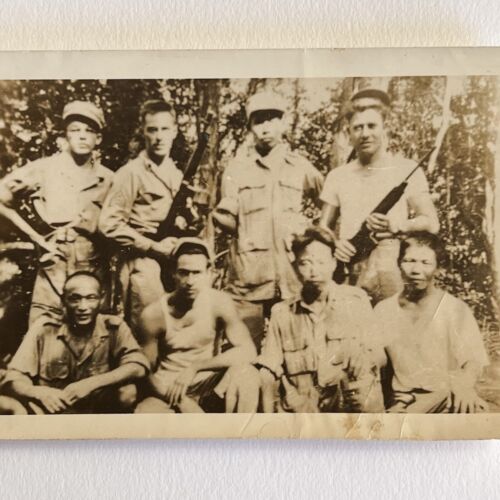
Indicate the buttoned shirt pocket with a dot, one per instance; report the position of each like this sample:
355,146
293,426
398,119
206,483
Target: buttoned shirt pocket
55,372
291,189
298,356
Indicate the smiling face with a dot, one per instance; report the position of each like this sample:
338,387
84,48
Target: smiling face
367,133
82,137
82,300
160,130
418,266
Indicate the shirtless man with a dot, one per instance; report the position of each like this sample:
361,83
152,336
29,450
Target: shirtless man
431,337
180,337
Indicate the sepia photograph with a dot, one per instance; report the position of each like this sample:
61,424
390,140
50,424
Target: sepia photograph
258,245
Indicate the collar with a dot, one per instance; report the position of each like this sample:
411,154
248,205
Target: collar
151,165
331,297
96,170
276,156
100,330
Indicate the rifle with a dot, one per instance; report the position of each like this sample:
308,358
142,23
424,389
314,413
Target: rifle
363,241
167,226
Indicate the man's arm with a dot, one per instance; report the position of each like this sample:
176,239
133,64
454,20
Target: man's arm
81,389
15,183
425,219
243,349
115,216
150,327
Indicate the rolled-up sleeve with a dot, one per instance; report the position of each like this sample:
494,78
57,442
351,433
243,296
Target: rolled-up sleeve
116,211
21,181
26,360
127,350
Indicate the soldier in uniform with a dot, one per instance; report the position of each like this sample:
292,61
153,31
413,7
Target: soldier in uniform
67,191
139,199
84,364
262,199
321,346
353,190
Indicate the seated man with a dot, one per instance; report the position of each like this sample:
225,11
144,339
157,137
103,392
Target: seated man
179,335
83,365
432,339
319,344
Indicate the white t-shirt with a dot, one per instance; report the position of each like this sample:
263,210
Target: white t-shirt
425,353
357,190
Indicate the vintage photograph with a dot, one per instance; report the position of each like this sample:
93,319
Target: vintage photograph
249,245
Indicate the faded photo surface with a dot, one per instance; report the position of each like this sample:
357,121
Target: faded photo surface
249,245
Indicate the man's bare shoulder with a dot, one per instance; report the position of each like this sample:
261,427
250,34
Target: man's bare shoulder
152,317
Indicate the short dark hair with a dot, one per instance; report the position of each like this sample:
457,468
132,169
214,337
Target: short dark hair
156,106
190,249
352,109
313,233
424,238
88,274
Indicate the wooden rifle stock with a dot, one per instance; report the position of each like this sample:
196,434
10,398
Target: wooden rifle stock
167,226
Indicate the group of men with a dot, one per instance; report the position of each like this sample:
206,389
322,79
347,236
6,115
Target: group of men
283,336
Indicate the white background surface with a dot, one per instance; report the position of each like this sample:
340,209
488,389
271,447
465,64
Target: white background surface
251,469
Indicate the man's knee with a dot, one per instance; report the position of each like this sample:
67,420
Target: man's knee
153,405
10,406
127,396
242,394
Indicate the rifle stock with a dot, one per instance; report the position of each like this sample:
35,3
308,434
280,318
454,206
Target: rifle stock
167,226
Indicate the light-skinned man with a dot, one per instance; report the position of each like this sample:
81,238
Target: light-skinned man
139,199
67,191
352,192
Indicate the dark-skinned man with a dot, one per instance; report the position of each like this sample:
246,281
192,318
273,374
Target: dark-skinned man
352,191
85,364
320,347
431,338
181,335
263,190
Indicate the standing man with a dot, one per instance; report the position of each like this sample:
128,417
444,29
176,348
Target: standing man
85,364
320,347
431,338
262,197
352,191
67,191
139,199
181,336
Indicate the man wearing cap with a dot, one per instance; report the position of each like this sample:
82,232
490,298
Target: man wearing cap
353,190
262,196
198,346
139,199
67,191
